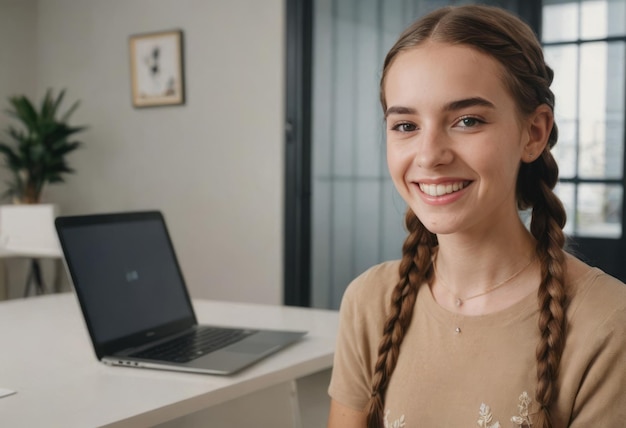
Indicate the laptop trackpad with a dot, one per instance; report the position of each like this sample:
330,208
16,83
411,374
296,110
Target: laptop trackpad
251,347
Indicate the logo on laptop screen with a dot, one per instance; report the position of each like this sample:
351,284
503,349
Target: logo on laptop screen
132,276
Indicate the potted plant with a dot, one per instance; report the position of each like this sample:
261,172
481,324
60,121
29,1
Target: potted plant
36,151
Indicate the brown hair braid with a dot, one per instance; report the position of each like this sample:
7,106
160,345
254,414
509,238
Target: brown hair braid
546,226
513,44
415,268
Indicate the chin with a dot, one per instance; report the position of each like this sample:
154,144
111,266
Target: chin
437,227
440,224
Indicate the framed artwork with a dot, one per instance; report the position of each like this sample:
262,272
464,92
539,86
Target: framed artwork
156,62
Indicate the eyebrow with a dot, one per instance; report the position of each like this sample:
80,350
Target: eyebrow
468,102
451,106
399,110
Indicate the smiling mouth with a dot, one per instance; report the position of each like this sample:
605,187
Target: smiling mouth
442,189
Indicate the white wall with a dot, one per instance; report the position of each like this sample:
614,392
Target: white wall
18,68
213,166
18,35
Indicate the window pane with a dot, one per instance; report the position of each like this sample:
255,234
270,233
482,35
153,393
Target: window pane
602,18
593,19
599,210
560,20
601,110
564,62
565,191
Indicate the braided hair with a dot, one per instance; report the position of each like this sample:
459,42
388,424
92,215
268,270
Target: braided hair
513,44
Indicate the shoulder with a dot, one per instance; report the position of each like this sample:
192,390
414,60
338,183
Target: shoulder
596,298
373,286
363,311
366,301
592,375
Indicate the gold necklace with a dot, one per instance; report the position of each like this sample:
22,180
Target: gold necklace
459,301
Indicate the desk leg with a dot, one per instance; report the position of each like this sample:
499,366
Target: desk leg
295,404
34,273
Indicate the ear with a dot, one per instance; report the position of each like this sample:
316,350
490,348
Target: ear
538,127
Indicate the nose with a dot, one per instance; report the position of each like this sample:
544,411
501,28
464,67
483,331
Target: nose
432,148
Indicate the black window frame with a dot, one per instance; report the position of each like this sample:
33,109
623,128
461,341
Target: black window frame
297,210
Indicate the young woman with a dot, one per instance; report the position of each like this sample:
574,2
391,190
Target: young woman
483,322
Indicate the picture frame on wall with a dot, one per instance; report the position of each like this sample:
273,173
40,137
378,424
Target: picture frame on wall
156,61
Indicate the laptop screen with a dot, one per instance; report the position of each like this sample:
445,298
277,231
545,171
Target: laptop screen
126,276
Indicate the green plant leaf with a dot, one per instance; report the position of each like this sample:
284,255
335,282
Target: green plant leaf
24,111
57,104
36,151
69,112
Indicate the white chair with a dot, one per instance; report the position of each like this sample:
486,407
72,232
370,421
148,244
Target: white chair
28,231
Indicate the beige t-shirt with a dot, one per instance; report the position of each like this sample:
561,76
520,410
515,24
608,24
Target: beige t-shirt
486,374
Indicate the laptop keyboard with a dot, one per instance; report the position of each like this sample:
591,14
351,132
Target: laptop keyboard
194,345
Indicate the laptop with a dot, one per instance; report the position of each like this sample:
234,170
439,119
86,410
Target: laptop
136,305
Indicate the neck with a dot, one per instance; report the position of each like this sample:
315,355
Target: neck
482,267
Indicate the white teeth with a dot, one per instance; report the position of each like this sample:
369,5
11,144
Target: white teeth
441,189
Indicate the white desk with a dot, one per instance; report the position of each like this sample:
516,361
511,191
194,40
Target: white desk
46,356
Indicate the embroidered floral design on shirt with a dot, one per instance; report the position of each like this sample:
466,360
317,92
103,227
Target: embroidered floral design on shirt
485,416
398,423
522,420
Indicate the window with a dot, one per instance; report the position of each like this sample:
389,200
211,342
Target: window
584,42
355,215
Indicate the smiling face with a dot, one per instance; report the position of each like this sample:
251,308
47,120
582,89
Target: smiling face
455,138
